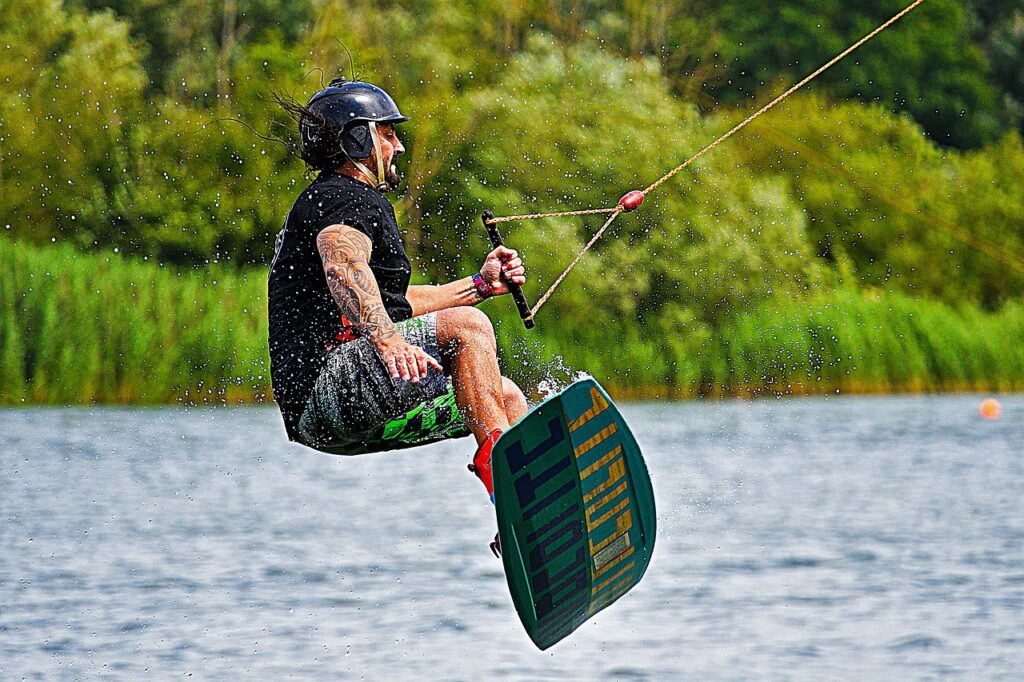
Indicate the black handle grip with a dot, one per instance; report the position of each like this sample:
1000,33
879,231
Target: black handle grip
514,289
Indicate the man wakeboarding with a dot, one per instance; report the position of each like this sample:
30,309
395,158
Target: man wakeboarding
360,360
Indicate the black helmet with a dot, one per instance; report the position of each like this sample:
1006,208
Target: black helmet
341,119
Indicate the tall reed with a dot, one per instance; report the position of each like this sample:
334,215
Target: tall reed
855,342
87,328
78,328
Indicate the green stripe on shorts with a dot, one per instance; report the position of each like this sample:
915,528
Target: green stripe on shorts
433,420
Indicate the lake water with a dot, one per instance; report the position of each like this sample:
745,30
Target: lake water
847,538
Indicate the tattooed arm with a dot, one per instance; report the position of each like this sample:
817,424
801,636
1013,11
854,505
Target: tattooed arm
345,252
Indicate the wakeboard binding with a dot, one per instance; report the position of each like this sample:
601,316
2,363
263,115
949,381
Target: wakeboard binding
481,466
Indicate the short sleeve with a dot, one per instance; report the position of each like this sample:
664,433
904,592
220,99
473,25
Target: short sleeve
354,209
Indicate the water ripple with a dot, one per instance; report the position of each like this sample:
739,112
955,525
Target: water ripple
852,538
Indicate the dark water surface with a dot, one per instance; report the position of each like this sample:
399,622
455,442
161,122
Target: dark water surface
849,538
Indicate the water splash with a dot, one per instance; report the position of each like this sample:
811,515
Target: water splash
556,376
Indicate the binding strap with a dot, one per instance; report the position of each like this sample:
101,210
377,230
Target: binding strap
376,179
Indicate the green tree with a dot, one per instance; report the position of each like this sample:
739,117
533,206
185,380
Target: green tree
192,45
1000,30
893,209
927,65
73,85
571,128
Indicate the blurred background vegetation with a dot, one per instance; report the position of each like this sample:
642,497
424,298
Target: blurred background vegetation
868,235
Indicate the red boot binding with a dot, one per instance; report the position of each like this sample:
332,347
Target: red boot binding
481,465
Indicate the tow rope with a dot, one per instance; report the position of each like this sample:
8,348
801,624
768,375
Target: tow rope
632,200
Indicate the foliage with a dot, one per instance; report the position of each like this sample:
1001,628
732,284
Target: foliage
72,93
133,126
866,342
81,329
943,78
716,241
90,158
885,202
999,29
193,44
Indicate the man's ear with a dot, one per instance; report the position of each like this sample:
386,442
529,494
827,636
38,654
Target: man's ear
357,142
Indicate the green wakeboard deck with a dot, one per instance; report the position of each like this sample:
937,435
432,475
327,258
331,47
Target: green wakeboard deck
575,510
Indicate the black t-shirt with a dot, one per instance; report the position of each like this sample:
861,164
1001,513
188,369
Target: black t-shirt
303,316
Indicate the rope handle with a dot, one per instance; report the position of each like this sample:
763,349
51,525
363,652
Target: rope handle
517,291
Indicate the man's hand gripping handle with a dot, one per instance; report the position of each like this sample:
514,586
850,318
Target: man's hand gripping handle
514,289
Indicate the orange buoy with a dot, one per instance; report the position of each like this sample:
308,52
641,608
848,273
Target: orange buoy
990,409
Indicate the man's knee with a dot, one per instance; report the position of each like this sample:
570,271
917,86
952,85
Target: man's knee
464,326
515,401
511,392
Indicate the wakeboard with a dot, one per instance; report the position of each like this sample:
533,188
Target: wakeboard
575,510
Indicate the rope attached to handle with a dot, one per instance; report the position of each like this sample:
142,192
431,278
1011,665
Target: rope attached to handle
597,235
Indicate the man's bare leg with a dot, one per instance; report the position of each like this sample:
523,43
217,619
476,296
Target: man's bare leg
470,351
515,401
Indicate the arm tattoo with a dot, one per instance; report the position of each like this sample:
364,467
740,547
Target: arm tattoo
345,252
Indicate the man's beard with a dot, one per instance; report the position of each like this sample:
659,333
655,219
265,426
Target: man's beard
392,177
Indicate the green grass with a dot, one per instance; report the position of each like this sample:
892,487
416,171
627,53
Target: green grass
87,328
860,343
79,329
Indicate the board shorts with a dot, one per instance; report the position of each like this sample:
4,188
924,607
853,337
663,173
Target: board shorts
356,407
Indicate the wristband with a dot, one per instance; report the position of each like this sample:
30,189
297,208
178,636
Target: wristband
483,289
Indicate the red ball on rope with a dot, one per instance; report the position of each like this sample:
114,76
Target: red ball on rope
632,201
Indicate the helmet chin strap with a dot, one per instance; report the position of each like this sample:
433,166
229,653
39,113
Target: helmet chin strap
376,179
